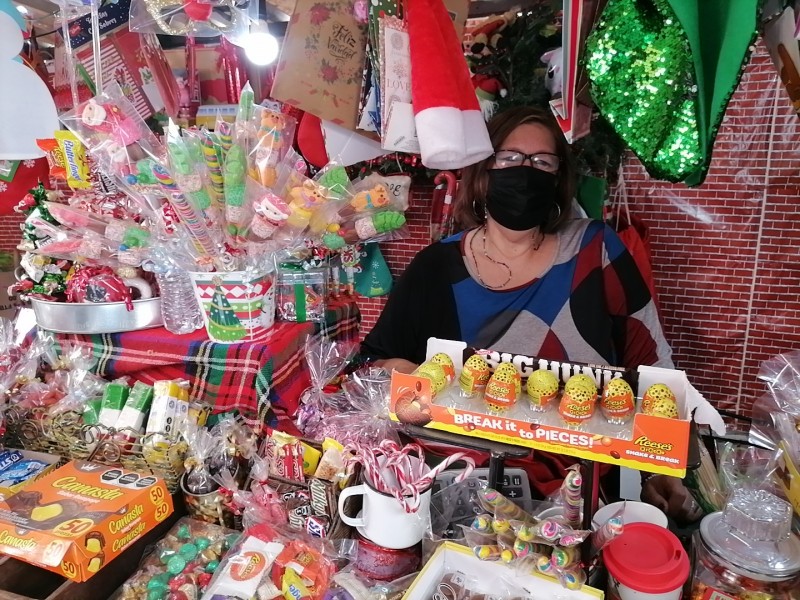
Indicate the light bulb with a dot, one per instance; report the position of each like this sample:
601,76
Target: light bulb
260,47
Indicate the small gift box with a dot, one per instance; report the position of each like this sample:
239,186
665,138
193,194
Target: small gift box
302,293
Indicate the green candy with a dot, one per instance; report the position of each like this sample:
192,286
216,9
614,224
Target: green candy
387,221
184,533
202,543
212,566
188,551
156,584
166,555
157,594
176,564
333,241
231,539
335,180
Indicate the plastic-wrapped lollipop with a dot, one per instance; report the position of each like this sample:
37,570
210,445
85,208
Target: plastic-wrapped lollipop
482,523
525,549
498,504
214,166
563,558
572,578
571,496
193,222
606,533
489,552
187,174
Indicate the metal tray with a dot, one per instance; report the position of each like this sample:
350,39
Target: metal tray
105,317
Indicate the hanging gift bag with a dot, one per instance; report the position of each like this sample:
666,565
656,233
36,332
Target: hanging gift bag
633,233
374,278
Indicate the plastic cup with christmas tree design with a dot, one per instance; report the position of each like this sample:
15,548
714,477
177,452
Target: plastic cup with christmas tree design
237,306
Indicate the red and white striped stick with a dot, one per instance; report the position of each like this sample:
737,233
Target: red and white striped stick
390,470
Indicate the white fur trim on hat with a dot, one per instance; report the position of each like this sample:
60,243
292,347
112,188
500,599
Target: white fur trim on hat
450,126
452,138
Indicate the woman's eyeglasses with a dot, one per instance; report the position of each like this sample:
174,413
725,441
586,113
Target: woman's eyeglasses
543,161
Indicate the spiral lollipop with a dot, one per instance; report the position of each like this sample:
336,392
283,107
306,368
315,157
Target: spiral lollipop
606,534
200,238
571,496
214,167
563,558
225,136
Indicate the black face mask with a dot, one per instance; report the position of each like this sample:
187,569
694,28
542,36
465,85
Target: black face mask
520,198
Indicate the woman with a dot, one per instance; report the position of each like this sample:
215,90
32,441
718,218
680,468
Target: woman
526,277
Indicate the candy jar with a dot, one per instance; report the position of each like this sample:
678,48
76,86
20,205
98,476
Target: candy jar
747,551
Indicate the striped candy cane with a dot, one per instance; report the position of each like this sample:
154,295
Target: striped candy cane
391,470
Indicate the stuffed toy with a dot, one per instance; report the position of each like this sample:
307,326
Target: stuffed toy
488,88
483,55
486,38
554,80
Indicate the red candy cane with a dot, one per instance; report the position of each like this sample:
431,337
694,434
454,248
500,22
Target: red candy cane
390,470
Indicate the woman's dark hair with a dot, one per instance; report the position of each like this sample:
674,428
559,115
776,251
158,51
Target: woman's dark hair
470,204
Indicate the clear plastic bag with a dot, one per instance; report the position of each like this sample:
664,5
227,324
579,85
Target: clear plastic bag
117,137
199,19
325,359
776,414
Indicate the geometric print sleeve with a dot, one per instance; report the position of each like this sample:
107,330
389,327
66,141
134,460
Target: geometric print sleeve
636,328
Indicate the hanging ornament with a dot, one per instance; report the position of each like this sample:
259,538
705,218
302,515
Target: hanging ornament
663,82
184,17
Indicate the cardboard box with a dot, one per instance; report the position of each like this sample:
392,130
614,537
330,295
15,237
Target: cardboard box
51,459
653,444
450,557
78,518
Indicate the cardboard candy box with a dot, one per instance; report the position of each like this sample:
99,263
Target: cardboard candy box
78,518
647,443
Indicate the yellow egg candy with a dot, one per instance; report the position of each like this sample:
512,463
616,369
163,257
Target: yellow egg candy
447,365
542,387
434,373
580,380
504,387
475,375
656,392
618,402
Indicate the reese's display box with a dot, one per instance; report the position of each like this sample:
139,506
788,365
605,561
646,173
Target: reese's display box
646,442
78,518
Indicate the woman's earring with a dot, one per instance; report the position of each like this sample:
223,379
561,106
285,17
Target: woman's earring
480,218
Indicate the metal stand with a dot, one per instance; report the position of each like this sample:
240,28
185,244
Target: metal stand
498,452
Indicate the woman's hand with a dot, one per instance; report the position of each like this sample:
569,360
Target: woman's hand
397,364
671,496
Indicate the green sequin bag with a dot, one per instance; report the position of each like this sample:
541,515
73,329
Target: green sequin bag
662,73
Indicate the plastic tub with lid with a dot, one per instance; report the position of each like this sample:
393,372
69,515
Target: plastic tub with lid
645,562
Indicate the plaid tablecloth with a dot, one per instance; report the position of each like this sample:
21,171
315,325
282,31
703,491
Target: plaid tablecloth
250,377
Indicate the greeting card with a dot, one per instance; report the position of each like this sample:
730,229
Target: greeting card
321,66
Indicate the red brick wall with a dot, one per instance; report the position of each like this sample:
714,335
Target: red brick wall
725,260
10,234
399,254
713,257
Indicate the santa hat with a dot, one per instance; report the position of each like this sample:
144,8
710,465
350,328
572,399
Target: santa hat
450,126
